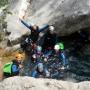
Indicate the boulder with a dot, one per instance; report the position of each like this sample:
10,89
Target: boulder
28,83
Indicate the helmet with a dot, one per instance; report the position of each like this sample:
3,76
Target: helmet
45,59
34,56
61,45
40,67
19,57
39,48
51,28
35,27
56,47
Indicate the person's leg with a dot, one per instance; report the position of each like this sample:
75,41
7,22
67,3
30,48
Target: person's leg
40,40
65,62
34,74
6,75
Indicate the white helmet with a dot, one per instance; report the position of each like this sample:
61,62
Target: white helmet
34,56
51,28
39,48
56,47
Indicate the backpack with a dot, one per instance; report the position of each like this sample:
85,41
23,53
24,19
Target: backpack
7,68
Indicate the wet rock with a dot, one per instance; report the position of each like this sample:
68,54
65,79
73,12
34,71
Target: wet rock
86,49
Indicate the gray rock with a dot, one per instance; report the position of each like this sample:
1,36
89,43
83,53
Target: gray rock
28,83
13,23
67,16
13,48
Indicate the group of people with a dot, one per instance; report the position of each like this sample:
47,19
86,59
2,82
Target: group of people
42,45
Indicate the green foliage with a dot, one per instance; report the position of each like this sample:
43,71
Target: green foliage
2,35
3,2
3,23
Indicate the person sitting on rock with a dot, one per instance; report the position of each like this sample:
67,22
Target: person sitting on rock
37,54
40,71
59,50
13,68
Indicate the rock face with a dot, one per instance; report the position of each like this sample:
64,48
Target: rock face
67,16
13,23
27,83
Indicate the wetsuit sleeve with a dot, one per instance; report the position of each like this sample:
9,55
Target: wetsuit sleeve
28,26
14,68
43,28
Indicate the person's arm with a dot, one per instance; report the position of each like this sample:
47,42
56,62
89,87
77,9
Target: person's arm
14,68
43,28
28,26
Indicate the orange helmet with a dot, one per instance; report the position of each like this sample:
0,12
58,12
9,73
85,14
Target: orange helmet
19,57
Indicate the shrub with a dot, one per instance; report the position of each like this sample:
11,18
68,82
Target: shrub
3,2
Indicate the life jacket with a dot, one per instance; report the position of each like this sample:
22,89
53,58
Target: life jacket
15,67
7,68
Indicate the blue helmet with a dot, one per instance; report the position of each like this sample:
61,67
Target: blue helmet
39,48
